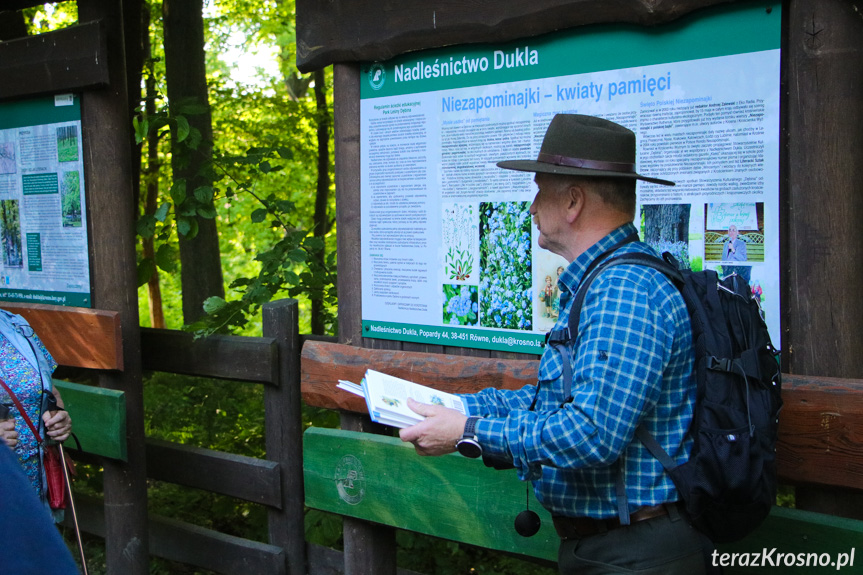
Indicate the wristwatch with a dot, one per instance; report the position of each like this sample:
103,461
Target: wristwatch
469,445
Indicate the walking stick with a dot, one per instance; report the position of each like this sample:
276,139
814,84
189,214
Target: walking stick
72,507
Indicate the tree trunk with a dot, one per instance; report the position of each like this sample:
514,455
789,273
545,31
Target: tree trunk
185,71
322,195
666,222
154,289
135,29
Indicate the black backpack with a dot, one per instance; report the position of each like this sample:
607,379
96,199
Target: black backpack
729,483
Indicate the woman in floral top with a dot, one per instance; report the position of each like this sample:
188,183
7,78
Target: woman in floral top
26,367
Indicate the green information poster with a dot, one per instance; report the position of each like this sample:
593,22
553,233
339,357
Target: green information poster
43,225
449,252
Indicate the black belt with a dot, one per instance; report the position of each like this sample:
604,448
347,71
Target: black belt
576,527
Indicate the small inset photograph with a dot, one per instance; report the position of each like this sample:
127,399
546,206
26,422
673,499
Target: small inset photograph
67,144
70,198
505,279
666,229
7,158
734,236
10,228
460,305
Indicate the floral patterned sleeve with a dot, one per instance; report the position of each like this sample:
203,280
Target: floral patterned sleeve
44,350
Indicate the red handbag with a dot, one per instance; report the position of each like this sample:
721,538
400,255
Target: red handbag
54,478
51,460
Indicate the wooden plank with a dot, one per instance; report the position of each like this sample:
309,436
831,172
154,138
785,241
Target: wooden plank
326,561
283,422
821,431
820,323
247,478
325,363
187,543
218,552
821,424
820,238
231,357
381,479
797,532
76,336
71,59
98,418
351,31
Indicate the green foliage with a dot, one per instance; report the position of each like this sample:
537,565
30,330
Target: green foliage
263,177
48,17
70,192
697,264
294,263
67,150
786,496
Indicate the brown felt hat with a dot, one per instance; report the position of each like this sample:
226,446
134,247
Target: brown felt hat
585,146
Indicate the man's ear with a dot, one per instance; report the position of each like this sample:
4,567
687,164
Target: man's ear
577,197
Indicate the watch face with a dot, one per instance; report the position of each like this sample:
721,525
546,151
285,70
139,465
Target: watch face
469,448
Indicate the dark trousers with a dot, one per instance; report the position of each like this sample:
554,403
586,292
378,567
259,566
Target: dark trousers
665,545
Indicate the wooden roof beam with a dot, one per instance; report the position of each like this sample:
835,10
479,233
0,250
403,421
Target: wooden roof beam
71,59
366,31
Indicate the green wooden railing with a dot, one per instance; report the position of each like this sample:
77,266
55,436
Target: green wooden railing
382,480
377,480
98,418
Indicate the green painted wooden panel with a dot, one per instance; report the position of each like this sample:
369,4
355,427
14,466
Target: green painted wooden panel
381,479
807,536
98,418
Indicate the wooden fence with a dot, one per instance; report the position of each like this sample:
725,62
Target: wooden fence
379,480
375,480
275,482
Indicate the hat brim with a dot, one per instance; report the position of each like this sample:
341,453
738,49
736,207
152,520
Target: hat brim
545,168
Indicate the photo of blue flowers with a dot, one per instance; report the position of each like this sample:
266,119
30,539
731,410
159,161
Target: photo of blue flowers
460,305
505,278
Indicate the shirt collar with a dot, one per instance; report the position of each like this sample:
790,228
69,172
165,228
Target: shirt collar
574,272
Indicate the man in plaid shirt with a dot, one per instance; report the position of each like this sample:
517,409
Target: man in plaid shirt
614,507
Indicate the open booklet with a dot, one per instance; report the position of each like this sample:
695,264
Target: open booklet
387,398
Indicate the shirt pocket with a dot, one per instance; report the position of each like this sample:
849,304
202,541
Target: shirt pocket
550,367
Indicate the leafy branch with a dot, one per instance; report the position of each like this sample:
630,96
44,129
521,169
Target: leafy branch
296,262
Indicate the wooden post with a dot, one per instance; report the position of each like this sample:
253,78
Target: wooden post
346,127
823,251
284,433
108,168
369,549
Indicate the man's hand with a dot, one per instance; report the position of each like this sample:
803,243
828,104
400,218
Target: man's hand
438,433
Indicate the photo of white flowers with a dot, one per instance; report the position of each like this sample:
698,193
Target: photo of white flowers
459,229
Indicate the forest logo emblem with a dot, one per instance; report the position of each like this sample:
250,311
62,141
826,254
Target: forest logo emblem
377,76
350,480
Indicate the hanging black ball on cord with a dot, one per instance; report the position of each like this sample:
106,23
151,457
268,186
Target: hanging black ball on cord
527,523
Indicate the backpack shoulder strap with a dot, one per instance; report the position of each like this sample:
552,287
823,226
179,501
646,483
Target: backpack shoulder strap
562,337
637,258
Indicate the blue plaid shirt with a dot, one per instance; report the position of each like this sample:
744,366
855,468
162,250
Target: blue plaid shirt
632,364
